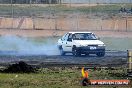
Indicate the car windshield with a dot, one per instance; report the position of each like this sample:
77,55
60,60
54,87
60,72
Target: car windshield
84,36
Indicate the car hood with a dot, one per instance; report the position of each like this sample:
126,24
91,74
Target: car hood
88,42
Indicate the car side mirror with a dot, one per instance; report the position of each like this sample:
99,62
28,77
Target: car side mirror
69,39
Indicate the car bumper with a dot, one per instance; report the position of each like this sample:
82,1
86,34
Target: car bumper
91,50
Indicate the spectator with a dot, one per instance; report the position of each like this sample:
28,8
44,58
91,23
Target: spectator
123,10
131,10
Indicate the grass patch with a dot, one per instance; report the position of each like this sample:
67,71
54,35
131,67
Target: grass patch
117,43
55,78
40,10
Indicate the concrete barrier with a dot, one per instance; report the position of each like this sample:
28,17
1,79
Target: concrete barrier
67,23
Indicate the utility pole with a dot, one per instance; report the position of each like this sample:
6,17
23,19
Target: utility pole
49,2
31,14
11,8
60,2
12,13
126,23
70,3
90,7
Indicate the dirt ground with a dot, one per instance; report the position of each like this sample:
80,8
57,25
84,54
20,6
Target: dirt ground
50,33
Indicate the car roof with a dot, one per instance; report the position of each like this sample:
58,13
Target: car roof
79,32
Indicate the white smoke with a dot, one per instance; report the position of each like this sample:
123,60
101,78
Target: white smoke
23,46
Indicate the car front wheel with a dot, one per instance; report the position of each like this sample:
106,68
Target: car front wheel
76,52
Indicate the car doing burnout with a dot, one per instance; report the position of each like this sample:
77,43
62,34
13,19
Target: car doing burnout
79,43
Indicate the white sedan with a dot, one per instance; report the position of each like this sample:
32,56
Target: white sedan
79,43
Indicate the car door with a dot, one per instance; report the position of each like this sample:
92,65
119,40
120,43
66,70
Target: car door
68,43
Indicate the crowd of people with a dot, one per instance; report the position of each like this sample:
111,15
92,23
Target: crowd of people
124,10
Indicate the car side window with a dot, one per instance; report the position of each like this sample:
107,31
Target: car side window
63,37
70,36
66,37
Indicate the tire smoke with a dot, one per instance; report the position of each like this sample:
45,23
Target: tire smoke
24,46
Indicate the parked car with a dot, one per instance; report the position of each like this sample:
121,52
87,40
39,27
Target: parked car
79,43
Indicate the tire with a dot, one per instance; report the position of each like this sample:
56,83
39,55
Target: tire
62,53
100,54
75,52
